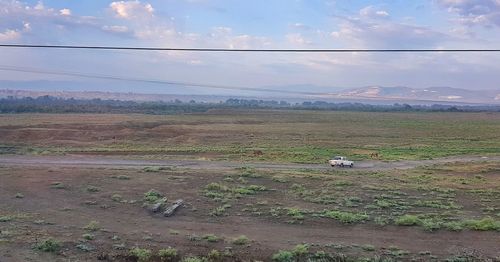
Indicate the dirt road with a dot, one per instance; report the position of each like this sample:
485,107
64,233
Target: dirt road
108,161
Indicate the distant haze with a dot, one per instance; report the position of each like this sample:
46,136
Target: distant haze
370,95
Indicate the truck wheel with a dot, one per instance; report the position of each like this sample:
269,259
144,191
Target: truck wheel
342,165
351,165
332,165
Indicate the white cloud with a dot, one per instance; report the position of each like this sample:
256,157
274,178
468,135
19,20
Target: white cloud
9,35
115,28
474,12
39,6
386,34
221,31
65,11
132,9
373,12
224,37
297,39
27,26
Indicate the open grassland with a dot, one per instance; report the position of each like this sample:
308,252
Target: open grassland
430,213
244,210
256,135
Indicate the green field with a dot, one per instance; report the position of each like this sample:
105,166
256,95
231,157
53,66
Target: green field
257,135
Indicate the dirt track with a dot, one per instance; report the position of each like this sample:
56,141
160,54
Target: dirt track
100,161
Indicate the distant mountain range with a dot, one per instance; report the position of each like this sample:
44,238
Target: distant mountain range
292,93
448,94
404,94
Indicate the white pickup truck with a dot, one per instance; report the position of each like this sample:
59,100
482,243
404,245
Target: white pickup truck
340,161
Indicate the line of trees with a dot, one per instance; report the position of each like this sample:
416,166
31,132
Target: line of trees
48,104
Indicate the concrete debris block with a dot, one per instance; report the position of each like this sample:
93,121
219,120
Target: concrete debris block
158,206
171,209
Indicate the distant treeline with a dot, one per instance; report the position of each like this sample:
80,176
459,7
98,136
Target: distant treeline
48,104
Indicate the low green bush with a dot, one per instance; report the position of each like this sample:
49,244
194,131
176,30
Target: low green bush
167,254
141,254
48,245
241,240
284,256
407,220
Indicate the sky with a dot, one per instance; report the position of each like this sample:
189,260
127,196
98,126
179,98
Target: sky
311,24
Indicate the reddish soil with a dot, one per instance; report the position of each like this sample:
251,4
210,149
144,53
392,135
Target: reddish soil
66,211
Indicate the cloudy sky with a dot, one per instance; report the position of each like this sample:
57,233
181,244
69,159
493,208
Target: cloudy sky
432,24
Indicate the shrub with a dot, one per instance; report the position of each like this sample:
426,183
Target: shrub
249,190
295,213
116,197
381,221
484,224
152,169
85,248
241,240
92,189
152,196
283,256
321,255
57,185
92,226
431,224
407,220
383,203
216,187
346,217
48,245
220,210
214,255
193,259
300,250
368,248
141,254
167,254
88,236
280,179
454,226
211,238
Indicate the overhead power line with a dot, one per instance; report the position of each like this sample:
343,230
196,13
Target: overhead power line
150,81
279,50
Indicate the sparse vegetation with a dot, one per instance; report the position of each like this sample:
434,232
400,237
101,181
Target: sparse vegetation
484,224
88,236
284,256
92,226
305,203
345,217
92,189
141,254
407,220
57,185
117,197
241,240
152,196
211,238
167,254
48,245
